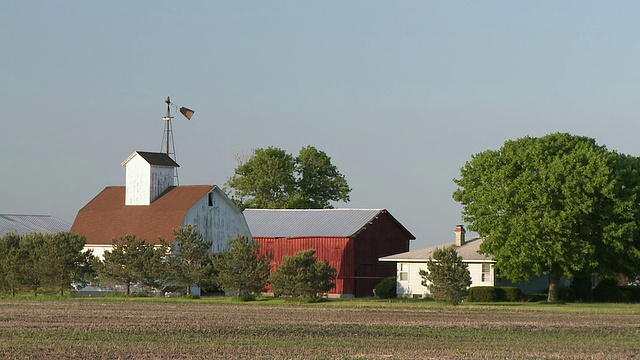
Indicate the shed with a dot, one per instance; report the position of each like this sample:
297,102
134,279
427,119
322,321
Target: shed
351,240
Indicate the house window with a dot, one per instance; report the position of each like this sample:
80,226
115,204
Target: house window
210,199
486,272
404,272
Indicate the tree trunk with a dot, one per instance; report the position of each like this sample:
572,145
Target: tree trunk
554,279
188,290
128,289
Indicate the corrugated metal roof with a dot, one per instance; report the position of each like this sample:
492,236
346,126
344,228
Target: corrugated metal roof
308,222
468,251
23,224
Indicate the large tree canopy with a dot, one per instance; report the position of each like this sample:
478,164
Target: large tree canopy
559,205
273,179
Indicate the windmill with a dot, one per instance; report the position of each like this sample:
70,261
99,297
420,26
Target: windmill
168,145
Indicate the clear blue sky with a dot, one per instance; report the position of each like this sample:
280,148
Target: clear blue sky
399,94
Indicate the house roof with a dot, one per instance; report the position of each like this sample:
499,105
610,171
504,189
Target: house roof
311,222
153,158
468,251
107,217
23,224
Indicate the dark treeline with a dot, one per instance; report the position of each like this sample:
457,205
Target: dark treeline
36,262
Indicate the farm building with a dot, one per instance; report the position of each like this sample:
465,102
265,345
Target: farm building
351,240
152,206
481,267
24,224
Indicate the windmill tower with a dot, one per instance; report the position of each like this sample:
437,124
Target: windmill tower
168,146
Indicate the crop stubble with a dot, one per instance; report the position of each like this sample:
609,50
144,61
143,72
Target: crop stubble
183,330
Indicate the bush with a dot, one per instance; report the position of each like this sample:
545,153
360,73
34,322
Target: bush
633,292
303,276
582,287
494,294
607,290
566,294
537,297
482,294
510,294
386,289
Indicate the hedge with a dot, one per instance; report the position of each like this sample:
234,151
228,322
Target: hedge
494,294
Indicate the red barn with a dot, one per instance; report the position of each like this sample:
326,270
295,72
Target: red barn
352,240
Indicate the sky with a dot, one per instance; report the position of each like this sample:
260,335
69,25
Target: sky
399,94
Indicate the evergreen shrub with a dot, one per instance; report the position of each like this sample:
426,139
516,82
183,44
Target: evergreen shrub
386,289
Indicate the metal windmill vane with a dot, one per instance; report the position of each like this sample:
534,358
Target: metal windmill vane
168,145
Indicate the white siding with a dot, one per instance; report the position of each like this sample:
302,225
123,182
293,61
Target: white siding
145,183
217,221
162,177
475,269
98,250
138,182
413,287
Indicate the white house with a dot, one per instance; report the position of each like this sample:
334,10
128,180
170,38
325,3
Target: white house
481,267
152,206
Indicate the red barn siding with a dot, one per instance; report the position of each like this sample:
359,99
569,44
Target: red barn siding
337,250
380,237
355,258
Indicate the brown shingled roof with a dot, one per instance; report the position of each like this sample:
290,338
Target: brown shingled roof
106,216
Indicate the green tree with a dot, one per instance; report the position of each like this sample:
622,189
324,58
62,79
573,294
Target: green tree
264,181
557,205
64,261
188,257
447,277
273,179
10,263
241,269
303,276
318,180
132,261
33,271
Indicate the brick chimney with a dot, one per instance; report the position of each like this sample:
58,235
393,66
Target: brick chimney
460,235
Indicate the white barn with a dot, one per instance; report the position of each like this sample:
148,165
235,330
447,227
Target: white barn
152,206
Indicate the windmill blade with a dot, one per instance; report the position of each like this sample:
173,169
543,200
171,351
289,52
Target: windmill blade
188,113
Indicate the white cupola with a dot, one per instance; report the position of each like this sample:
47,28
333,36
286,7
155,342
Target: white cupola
148,175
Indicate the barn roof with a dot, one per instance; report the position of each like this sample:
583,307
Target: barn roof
23,224
153,158
106,216
468,251
311,222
